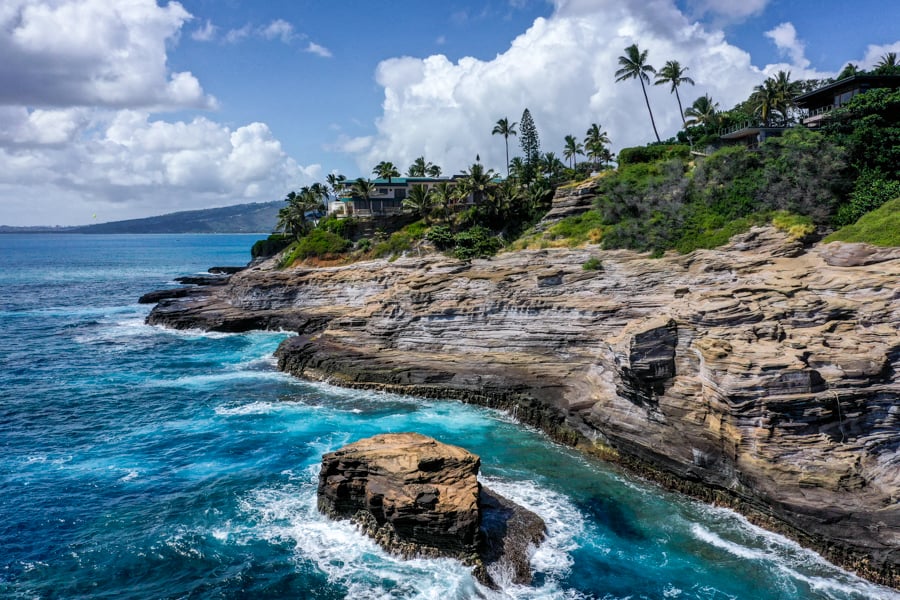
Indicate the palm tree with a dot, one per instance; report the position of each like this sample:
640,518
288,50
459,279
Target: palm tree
765,99
888,60
775,95
363,189
442,197
418,168
786,91
887,65
476,181
703,111
674,74
517,168
506,129
433,171
386,170
634,66
418,200
594,141
551,165
572,150
336,181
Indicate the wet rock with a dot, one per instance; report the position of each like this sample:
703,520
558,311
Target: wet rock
762,375
418,497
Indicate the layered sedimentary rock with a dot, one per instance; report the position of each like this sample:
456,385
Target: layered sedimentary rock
418,497
762,375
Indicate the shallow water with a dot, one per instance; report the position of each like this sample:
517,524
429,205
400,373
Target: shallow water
139,462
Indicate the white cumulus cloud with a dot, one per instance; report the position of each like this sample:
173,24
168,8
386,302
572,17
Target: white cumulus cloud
93,53
562,69
125,163
82,86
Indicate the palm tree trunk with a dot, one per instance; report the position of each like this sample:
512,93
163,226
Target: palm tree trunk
506,140
647,100
680,110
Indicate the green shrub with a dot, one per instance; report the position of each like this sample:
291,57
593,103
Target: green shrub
318,243
871,190
364,244
646,154
441,237
416,230
592,264
476,242
270,246
345,228
881,227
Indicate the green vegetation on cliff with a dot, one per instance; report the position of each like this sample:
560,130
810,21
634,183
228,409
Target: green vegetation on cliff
881,227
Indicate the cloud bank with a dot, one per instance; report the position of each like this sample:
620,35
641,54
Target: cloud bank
84,89
562,69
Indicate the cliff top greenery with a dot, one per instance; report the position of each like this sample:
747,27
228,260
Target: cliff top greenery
685,193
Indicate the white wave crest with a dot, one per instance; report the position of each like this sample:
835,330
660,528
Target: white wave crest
787,559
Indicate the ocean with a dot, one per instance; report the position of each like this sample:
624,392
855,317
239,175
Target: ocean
138,462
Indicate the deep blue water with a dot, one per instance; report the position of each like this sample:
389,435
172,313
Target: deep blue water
139,463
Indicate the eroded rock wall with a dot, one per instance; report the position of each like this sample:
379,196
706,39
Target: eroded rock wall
762,375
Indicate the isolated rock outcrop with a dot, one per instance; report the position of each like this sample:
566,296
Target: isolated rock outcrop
762,376
418,497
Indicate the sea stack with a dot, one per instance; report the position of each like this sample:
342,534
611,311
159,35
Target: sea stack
419,497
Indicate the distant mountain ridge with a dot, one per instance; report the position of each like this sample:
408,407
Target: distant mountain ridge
258,217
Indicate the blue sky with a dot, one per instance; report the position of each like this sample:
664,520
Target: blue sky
132,108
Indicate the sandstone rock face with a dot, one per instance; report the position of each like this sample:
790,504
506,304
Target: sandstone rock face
762,375
418,497
423,495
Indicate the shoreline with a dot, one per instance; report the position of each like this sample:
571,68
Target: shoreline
757,377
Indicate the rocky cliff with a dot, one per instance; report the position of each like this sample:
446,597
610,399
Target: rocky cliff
761,376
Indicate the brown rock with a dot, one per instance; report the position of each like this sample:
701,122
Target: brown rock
426,491
418,497
762,375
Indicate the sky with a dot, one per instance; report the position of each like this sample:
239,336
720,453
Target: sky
116,109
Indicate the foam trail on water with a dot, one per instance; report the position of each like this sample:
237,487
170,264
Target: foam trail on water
790,562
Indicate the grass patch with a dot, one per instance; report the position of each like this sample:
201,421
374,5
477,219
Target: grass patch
796,226
592,264
578,229
881,227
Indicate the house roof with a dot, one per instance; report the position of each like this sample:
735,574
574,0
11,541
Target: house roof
848,83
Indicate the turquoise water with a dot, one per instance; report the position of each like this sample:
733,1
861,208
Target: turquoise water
138,462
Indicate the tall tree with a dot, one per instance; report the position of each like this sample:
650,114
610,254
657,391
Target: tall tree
530,143
506,129
337,182
476,181
442,197
386,170
634,66
594,142
433,171
572,150
363,189
703,111
887,65
418,168
848,71
673,73
418,201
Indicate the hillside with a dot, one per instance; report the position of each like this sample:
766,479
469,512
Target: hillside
258,217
